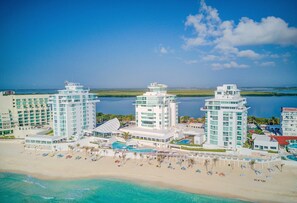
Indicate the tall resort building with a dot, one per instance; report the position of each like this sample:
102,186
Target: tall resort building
289,121
225,118
156,109
19,114
74,111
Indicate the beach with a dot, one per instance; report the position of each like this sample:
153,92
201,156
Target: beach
238,183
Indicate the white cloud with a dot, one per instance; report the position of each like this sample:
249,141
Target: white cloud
270,30
206,25
227,37
248,54
267,64
210,29
164,50
232,64
210,57
274,56
190,62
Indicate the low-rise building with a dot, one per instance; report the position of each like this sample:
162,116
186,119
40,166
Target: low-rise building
264,142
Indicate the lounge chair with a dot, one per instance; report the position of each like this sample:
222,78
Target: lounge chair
198,171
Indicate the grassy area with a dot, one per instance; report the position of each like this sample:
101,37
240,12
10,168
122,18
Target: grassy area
7,137
273,152
180,93
50,132
203,150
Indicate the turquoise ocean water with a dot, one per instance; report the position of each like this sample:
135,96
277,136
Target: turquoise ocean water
23,188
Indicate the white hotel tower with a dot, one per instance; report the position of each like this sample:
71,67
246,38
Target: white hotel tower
74,110
226,118
156,109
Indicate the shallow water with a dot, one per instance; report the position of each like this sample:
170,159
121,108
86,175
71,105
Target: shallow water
23,188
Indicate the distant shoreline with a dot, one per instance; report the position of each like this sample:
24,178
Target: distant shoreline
184,93
177,92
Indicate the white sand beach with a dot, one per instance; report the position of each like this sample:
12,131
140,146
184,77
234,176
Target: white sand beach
275,186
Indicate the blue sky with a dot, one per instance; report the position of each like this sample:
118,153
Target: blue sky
117,44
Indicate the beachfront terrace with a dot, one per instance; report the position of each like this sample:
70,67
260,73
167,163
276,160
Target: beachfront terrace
43,141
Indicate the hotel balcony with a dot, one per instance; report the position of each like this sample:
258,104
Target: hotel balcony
203,108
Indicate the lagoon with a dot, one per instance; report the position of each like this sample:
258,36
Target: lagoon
261,106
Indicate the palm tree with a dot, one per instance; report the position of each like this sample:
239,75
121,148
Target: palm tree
86,148
126,135
252,164
141,156
206,163
191,162
281,166
71,148
214,161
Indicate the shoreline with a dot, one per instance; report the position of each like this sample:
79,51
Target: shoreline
280,187
141,182
247,94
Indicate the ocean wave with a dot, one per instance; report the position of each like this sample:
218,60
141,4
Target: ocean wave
69,198
85,189
34,183
45,197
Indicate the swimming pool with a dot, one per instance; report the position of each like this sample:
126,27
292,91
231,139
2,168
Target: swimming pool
118,145
293,146
121,146
292,157
139,150
185,141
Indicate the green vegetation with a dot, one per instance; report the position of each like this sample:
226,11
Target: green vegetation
192,145
264,121
50,132
259,132
273,152
249,141
7,137
100,117
188,119
126,135
180,93
202,149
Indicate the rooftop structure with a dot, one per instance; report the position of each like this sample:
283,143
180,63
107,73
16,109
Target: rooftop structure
107,129
285,140
150,134
226,118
